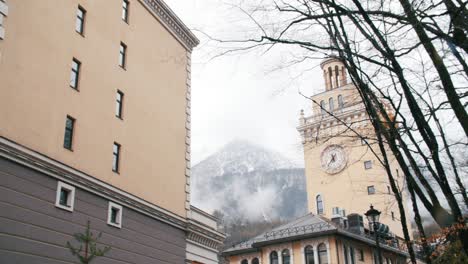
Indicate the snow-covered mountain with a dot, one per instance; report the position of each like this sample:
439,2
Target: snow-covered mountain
247,181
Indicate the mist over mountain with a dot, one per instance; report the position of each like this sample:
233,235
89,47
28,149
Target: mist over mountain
247,181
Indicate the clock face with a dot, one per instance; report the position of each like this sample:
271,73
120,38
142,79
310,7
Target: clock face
333,159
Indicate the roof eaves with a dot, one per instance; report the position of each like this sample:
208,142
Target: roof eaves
172,22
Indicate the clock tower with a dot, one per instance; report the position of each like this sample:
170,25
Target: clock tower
343,174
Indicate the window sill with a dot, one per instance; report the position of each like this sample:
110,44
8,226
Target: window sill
69,149
63,207
119,226
80,33
74,88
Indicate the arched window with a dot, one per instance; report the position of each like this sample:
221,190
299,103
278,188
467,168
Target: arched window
255,261
322,254
340,102
244,261
331,104
322,107
309,255
319,204
343,76
330,79
337,73
285,257
273,257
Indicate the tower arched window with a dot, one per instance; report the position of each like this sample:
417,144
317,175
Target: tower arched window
309,255
343,76
319,204
274,257
330,77
322,254
340,102
337,73
255,261
244,261
331,104
285,256
322,107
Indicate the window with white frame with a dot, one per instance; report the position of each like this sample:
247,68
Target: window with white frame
114,215
322,254
65,197
309,255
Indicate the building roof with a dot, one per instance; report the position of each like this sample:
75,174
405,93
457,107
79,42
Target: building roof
304,227
172,22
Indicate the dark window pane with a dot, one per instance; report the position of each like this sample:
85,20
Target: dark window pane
309,255
319,204
274,257
80,19
119,104
125,5
286,258
116,156
122,55
64,197
74,75
114,214
69,126
322,254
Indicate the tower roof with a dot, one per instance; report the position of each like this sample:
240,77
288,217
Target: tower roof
329,59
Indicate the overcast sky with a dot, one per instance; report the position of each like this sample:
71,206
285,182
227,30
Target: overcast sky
241,96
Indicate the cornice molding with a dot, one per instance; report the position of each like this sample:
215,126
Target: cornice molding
36,161
170,20
205,236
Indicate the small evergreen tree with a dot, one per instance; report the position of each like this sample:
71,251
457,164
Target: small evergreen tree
88,249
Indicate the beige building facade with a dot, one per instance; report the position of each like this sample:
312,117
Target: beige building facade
343,171
95,124
36,60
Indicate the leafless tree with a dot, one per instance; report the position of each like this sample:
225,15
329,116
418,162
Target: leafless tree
407,59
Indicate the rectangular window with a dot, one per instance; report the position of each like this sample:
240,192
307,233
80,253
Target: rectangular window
370,189
393,216
69,128
368,164
122,55
361,255
114,215
389,190
345,253
65,197
116,157
75,73
80,20
125,8
119,104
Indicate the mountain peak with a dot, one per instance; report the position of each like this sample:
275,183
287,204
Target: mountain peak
240,156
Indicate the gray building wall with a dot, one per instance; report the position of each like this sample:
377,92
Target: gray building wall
34,231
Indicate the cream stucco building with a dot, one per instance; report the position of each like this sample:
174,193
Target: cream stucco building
343,179
95,105
343,174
